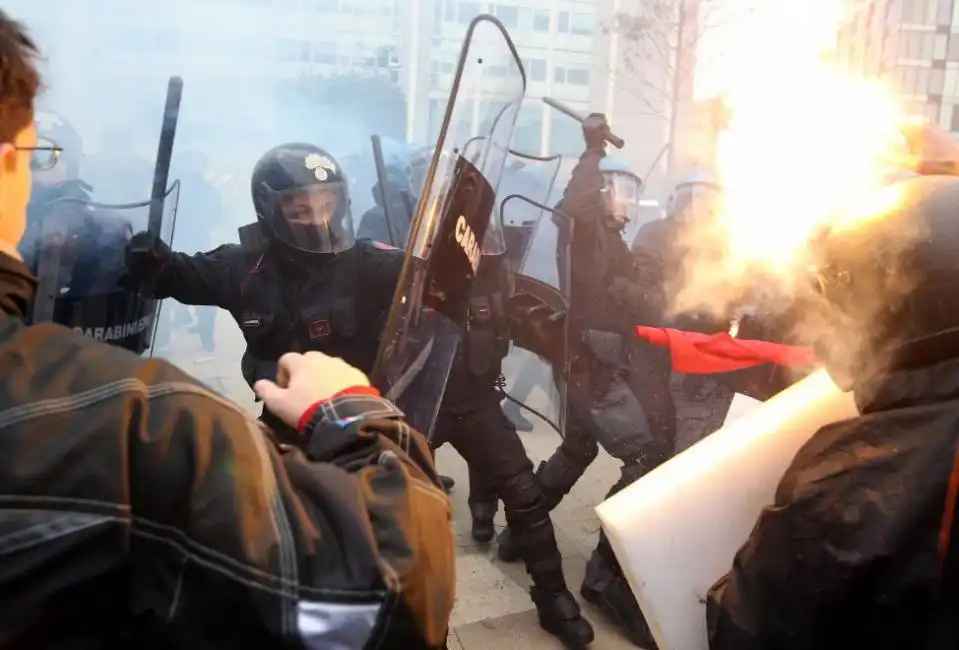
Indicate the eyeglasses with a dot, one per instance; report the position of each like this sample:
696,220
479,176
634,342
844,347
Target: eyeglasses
44,156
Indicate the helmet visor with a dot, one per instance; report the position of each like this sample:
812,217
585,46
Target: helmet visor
694,201
314,218
621,193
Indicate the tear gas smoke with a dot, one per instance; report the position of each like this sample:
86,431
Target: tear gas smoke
105,67
806,148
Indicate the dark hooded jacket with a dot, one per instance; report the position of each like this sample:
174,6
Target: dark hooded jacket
857,550
140,510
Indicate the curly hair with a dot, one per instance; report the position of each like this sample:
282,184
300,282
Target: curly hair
19,79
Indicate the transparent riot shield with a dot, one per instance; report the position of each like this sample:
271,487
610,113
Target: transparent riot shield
453,216
77,249
544,277
532,177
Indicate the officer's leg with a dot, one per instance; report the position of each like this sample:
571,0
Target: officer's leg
625,434
558,475
492,445
650,369
483,502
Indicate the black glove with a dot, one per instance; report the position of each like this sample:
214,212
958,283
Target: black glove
146,257
538,327
595,130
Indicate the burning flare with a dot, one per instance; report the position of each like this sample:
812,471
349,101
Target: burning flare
805,147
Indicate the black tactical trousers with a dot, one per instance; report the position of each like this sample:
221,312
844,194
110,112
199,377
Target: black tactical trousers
488,442
632,417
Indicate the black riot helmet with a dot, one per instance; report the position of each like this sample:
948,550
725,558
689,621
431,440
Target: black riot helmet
56,160
302,199
888,279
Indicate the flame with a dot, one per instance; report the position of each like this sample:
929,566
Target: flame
805,145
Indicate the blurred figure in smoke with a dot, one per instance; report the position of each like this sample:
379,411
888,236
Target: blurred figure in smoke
861,547
402,203
609,296
199,207
117,171
692,405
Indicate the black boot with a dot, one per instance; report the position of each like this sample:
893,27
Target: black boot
609,591
483,513
559,614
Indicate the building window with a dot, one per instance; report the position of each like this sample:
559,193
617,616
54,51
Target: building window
287,50
305,54
537,69
565,135
559,74
528,134
507,14
327,6
437,112
583,24
944,14
936,81
541,20
492,116
577,76
449,10
952,51
954,127
563,25
434,73
468,11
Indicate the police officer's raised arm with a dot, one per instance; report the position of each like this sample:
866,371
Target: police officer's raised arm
200,279
582,196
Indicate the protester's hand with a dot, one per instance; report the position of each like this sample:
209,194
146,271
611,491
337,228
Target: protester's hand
595,130
302,380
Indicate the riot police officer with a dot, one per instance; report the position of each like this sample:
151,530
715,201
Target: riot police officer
471,419
861,547
310,286
603,407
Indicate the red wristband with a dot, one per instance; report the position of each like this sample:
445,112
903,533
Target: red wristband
352,390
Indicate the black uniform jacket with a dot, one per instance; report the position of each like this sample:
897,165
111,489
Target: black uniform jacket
337,305
140,510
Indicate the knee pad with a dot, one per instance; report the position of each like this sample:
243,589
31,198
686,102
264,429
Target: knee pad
559,474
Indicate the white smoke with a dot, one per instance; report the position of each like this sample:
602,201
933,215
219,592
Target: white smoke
106,65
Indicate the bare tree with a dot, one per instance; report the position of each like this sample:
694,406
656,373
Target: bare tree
663,41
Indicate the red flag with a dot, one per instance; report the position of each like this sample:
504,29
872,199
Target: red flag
706,354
